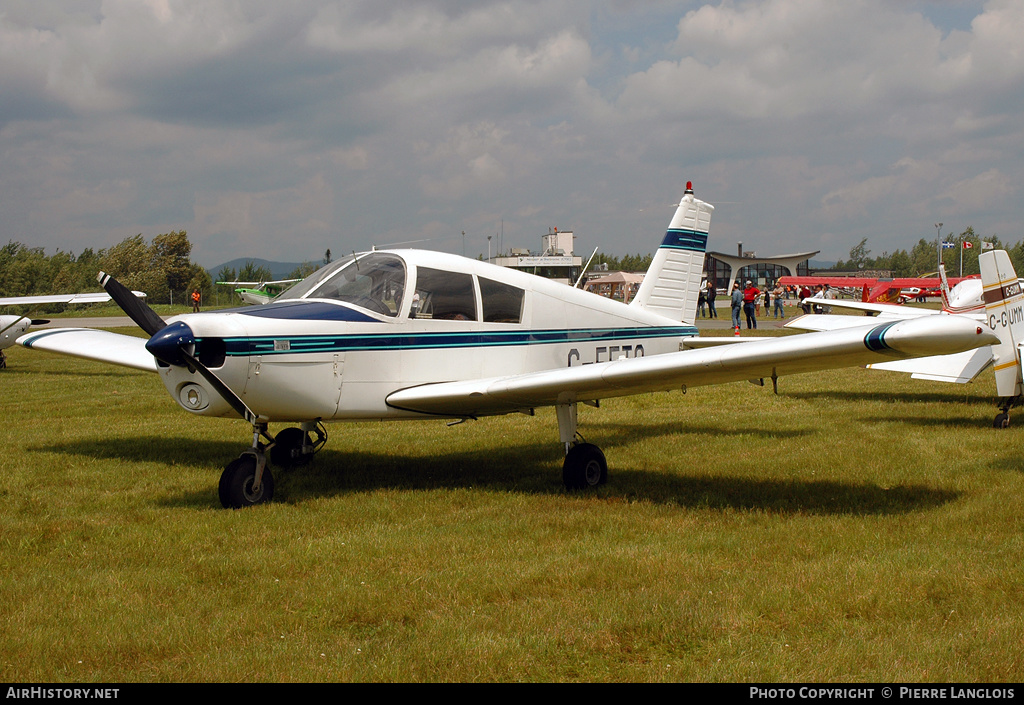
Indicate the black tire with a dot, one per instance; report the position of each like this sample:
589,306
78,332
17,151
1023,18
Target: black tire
288,440
236,484
584,467
1002,420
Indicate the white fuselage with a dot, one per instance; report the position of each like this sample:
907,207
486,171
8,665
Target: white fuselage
11,327
446,318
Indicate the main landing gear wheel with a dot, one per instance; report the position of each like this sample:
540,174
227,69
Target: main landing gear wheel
287,449
584,467
1002,420
236,484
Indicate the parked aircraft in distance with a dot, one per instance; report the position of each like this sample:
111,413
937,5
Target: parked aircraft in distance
964,297
414,334
874,289
995,301
14,326
259,293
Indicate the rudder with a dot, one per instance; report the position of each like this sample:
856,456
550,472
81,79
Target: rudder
672,283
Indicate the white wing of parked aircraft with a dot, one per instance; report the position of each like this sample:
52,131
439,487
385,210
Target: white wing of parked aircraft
12,327
413,334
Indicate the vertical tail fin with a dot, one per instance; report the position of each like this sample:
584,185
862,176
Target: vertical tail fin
1004,313
944,288
672,283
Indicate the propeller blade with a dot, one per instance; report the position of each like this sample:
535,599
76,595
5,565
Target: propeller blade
145,317
40,321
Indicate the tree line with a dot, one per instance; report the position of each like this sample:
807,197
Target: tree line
161,268
626,263
923,258
164,270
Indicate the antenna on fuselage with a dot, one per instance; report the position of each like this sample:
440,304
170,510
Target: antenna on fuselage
577,284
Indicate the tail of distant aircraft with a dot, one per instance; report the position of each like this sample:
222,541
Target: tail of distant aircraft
671,285
1004,313
944,287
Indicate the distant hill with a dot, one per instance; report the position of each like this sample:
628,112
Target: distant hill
278,270
819,264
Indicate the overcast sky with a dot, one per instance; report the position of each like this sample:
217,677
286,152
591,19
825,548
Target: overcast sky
280,129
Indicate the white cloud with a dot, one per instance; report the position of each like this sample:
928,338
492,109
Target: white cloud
262,124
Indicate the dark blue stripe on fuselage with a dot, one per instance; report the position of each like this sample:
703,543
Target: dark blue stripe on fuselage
875,339
685,240
270,345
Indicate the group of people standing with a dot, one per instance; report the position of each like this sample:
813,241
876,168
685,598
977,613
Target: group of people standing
749,299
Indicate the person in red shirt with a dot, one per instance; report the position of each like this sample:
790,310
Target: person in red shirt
750,294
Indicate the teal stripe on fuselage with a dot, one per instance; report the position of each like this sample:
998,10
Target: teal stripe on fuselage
271,345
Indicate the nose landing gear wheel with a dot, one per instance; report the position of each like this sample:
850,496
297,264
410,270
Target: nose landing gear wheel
584,467
236,484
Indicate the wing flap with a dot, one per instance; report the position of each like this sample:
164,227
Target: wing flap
692,368
92,344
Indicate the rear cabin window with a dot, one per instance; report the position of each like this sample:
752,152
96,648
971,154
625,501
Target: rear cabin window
502,303
441,295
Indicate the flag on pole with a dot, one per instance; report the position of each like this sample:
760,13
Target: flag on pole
988,245
968,245
948,245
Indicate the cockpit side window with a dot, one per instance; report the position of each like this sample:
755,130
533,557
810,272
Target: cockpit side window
502,303
442,295
375,281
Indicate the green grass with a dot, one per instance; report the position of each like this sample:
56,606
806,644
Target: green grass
859,526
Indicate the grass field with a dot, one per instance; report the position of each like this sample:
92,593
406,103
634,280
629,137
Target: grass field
859,526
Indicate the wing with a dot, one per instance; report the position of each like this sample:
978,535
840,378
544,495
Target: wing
90,298
768,357
959,368
92,344
880,309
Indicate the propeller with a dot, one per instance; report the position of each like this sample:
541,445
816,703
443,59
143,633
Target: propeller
144,317
172,344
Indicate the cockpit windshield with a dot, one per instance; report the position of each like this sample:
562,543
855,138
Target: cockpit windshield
374,281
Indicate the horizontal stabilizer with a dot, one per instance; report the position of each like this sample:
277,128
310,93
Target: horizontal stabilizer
960,368
92,344
826,321
893,310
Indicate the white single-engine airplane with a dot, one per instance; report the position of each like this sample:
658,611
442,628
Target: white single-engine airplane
995,301
412,334
12,327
